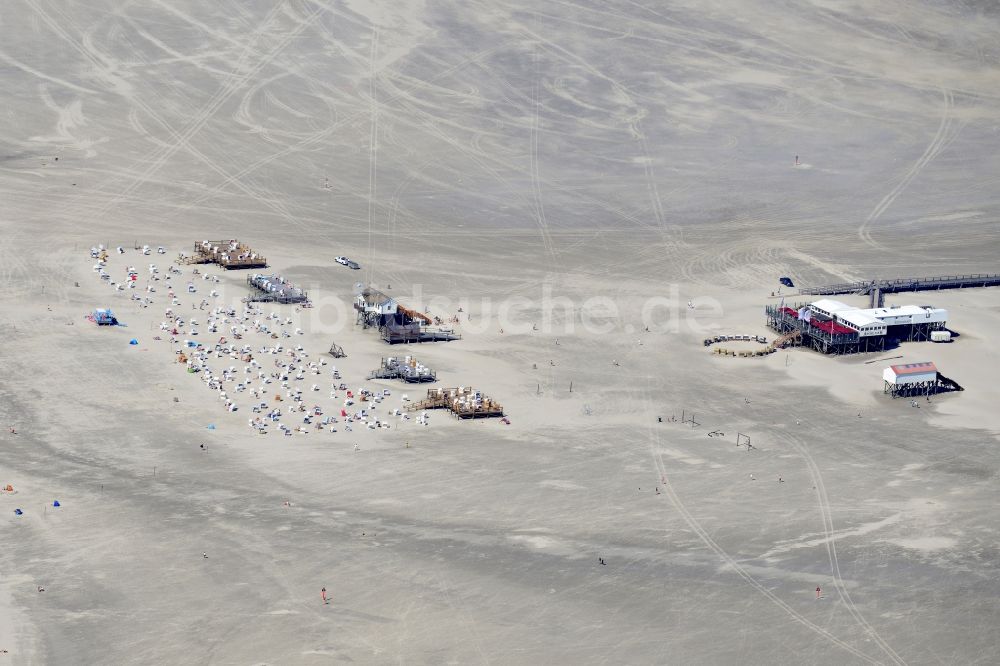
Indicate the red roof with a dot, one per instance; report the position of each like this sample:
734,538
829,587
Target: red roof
833,327
914,368
790,311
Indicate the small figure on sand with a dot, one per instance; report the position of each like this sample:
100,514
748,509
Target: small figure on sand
322,593
818,591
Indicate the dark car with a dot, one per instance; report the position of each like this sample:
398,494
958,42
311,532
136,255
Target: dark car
787,281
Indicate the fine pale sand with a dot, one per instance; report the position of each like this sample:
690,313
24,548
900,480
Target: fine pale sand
591,189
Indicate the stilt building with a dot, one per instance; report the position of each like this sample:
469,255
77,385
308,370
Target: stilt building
832,327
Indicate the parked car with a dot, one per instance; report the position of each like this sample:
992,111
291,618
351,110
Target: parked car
341,260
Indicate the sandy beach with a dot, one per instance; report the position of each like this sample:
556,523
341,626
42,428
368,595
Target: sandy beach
583,192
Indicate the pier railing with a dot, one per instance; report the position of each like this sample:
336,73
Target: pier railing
907,284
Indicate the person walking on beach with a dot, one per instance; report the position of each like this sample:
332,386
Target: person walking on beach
323,594
818,591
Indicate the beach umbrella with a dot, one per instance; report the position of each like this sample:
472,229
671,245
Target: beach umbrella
56,503
133,341
211,426
18,512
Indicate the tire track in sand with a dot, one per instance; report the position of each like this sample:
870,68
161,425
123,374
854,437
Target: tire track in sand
933,148
372,154
321,135
536,187
102,65
202,118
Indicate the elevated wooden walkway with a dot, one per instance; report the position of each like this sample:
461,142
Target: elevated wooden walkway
785,339
876,288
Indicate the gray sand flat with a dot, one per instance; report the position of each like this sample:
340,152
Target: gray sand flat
538,165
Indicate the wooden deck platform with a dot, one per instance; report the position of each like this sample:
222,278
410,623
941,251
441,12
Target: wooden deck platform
274,289
230,254
395,337
463,402
407,370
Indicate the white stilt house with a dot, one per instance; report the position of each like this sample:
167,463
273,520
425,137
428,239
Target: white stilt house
910,379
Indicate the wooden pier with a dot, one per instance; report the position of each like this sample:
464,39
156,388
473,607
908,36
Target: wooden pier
878,288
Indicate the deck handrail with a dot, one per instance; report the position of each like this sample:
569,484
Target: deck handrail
904,284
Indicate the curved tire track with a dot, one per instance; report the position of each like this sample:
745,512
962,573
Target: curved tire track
933,148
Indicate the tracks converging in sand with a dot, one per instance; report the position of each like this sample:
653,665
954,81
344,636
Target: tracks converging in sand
831,547
733,565
663,477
